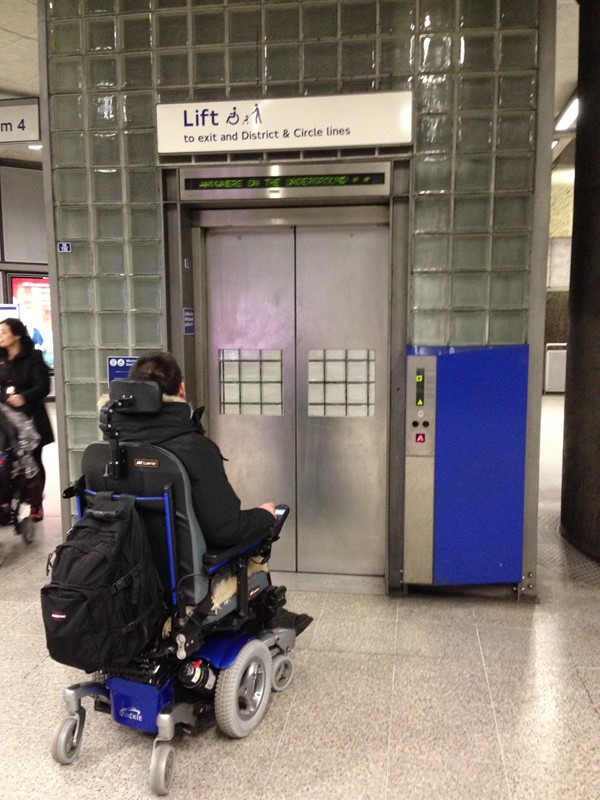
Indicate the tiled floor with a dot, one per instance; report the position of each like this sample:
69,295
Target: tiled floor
415,698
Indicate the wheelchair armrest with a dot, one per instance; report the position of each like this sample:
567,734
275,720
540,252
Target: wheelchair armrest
219,556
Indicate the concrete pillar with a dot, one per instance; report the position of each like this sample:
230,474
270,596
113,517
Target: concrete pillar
580,516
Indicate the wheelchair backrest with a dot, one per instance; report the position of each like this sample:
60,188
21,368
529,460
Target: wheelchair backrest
150,471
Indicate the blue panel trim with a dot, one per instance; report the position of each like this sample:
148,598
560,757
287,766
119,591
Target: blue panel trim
137,705
481,416
222,649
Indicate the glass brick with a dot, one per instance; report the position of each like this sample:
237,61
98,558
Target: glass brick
514,173
282,24
81,431
473,174
145,258
508,327
509,290
146,330
470,291
435,53
396,57
108,222
72,222
99,6
517,91
138,109
140,148
516,13
282,62
468,328
172,30
429,291
436,14
245,65
66,8
209,28
209,66
434,93
319,20
144,222
81,397
112,329
104,149
471,253
79,364
518,51
142,186
477,13
112,294
70,186
475,93
102,111
106,186
512,212
320,60
358,58
515,132
100,35
78,328
396,17
430,253
358,17
65,74
432,214
475,134
110,258
145,294
65,37
477,53
245,26
67,112
510,252
68,150
129,6
136,32
173,69
101,72
432,174
76,294
137,71
78,261
434,132
429,328
471,213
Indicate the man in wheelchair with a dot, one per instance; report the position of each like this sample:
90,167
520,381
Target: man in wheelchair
226,637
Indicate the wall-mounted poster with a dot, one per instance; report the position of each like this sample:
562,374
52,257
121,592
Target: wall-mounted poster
31,295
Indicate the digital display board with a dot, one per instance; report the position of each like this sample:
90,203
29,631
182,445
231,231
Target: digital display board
358,179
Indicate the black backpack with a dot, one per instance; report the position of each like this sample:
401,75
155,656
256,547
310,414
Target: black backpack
104,603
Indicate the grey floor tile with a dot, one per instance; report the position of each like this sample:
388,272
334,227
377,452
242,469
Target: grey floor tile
446,779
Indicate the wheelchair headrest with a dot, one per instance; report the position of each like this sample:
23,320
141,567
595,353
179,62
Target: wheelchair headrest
136,397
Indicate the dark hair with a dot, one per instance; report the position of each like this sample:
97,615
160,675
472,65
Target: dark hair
17,328
159,367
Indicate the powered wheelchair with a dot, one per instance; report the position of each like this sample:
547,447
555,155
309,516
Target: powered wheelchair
226,639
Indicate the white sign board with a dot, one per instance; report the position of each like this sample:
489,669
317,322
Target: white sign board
19,121
378,119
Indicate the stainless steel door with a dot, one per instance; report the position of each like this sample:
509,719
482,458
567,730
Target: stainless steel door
309,304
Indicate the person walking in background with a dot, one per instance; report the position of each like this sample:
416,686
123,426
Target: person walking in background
24,384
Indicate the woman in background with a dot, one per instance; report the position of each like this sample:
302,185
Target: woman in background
24,384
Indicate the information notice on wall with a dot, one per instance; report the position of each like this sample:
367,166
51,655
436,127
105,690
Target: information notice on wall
19,120
378,119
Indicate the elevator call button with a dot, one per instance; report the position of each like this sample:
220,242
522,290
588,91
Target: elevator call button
420,438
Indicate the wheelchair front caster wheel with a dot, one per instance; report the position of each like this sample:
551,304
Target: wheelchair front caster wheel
65,748
162,768
283,672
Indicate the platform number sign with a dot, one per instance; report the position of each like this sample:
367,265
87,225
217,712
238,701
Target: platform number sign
19,120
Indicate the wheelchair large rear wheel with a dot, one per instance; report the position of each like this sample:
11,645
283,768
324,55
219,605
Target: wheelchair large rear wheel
243,691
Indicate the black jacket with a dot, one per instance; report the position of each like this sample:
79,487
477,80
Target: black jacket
217,506
30,376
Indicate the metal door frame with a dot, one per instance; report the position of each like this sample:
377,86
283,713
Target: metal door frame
184,223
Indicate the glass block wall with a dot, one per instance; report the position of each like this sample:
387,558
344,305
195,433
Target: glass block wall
472,67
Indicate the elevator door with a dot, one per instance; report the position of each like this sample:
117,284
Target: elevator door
298,394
